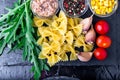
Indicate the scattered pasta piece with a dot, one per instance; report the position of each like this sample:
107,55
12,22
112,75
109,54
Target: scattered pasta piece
77,21
63,55
70,23
55,45
62,40
53,58
79,41
42,56
39,22
70,48
46,48
88,47
77,30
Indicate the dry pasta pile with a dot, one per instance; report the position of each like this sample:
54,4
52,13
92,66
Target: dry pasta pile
60,35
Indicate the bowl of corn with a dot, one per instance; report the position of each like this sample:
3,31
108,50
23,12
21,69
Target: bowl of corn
103,8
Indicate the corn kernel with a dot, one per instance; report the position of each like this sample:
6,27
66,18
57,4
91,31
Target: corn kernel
101,3
93,7
96,7
101,0
109,10
97,12
106,3
113,0
103,6
92,2
106,10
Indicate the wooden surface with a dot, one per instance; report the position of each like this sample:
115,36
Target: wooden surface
11,65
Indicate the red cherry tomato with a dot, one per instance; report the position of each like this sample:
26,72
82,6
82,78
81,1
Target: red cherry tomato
102,27
103,41
100,53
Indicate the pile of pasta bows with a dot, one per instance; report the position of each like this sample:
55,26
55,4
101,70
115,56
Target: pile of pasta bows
59,35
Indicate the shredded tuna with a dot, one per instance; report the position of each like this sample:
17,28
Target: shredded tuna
44,8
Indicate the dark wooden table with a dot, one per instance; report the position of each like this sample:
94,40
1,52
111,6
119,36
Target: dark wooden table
21,70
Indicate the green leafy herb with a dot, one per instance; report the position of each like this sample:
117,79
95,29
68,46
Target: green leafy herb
16,31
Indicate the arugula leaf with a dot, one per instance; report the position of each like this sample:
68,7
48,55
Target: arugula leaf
46,67
13,10
17,31
2,46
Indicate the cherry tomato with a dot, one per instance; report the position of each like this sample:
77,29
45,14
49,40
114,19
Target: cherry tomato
102,27
100,53
103,41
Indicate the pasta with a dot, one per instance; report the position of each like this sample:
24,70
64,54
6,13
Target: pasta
69,37
63,55
60,35
54,58
39,22
70,48
77,30
80,41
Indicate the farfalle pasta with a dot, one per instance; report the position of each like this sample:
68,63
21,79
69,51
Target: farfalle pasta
80,42
39,22
69,37
60,35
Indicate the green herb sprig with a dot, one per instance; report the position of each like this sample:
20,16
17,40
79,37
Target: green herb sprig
16,30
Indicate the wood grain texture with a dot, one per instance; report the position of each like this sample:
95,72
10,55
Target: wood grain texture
12,67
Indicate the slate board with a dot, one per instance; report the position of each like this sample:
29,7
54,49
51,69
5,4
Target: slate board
114,51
